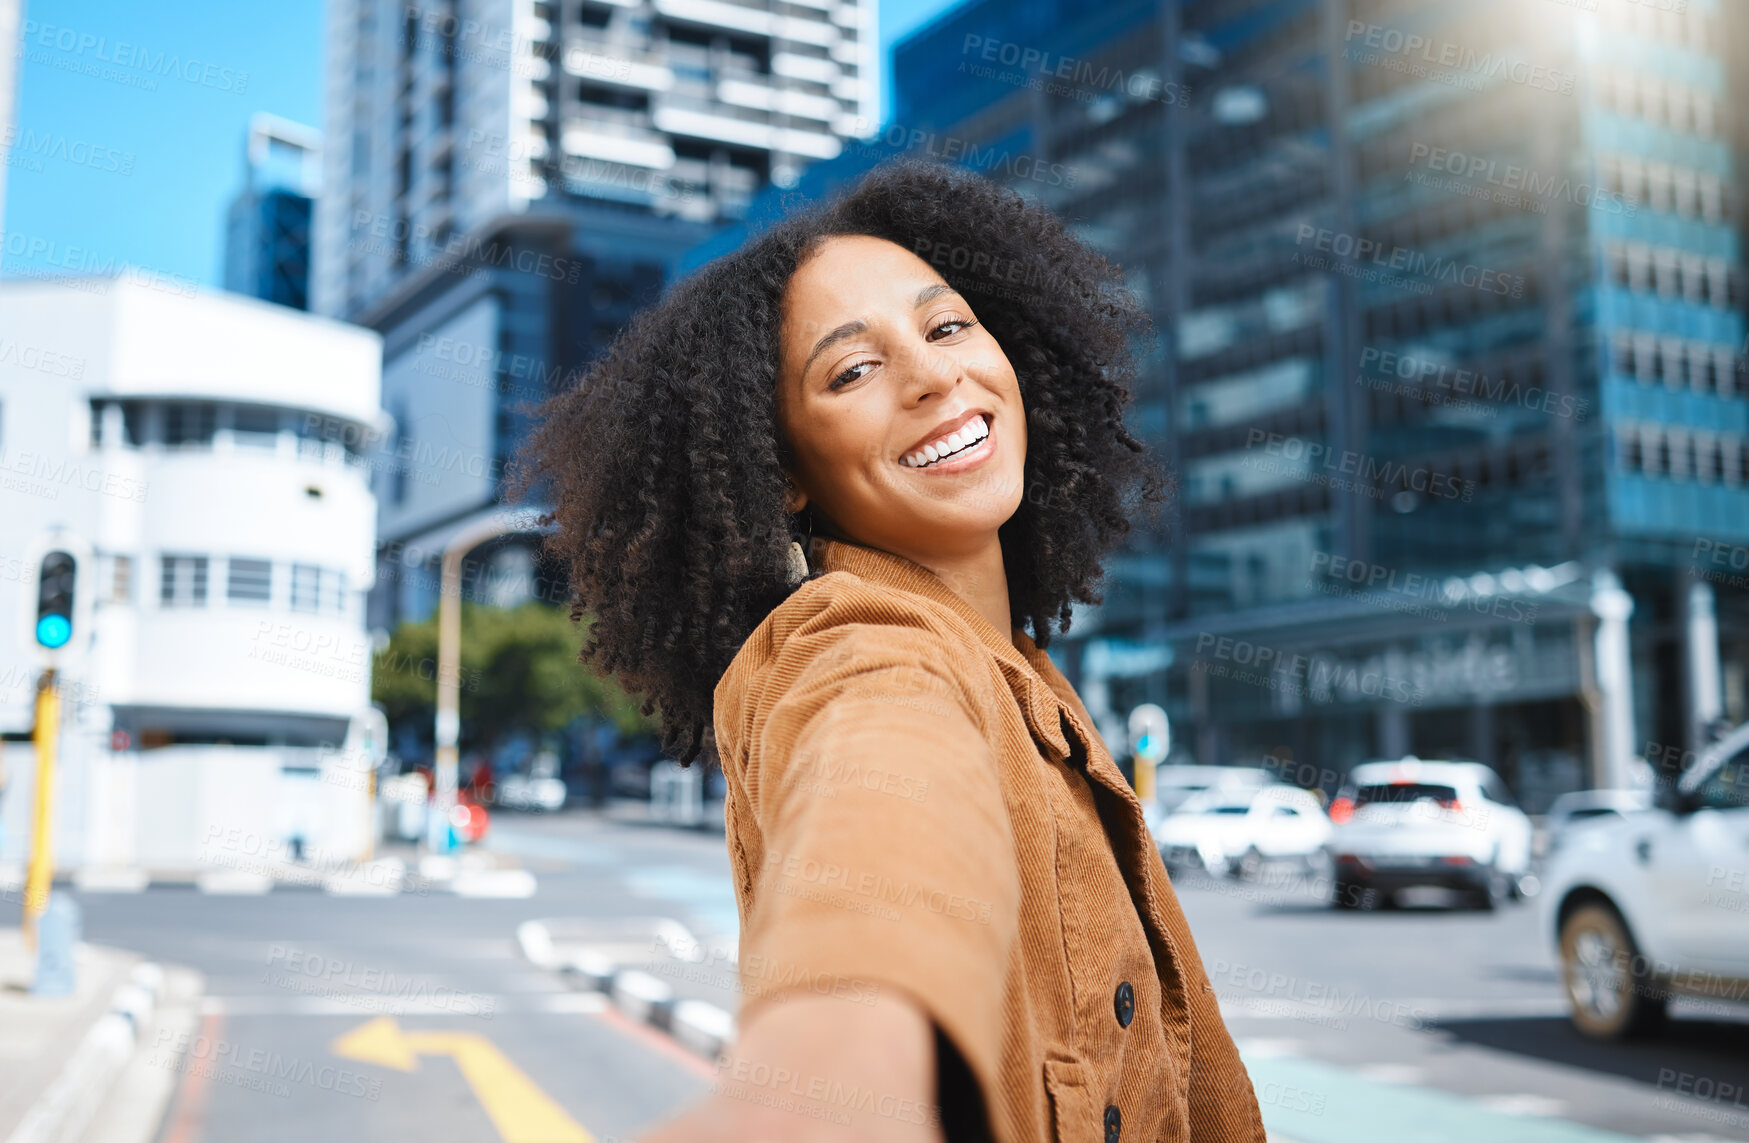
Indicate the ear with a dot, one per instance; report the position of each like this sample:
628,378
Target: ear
794,499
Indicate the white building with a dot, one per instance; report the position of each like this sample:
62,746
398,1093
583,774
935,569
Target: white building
202,455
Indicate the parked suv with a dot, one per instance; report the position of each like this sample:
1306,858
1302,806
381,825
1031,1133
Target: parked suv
1655,902
1414,823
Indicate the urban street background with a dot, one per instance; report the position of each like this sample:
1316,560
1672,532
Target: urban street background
310,823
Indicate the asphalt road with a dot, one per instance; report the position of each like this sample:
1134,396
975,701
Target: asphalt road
414,1017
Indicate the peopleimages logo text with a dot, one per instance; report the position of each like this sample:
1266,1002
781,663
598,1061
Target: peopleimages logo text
1459,57
96,49
1355,248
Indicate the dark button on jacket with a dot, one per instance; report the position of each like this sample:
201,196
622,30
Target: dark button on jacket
904,815
1125,1000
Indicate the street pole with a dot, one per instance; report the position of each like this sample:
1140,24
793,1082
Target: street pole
449,662
41,870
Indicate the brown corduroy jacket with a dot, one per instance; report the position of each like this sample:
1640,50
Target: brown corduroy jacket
917,802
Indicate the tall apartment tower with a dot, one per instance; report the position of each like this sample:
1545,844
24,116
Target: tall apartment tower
447,116
508,180
267,230
1452,312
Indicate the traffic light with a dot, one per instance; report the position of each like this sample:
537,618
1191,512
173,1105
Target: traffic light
1150,732
54,600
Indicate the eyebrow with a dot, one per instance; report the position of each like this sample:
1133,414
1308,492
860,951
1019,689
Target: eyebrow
851,328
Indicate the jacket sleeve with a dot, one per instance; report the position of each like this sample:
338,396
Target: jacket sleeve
889,860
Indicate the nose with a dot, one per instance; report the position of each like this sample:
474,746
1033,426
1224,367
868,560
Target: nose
931,371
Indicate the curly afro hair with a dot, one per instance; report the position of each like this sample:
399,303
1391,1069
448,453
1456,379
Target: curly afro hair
664,464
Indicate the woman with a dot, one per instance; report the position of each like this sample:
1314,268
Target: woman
823,503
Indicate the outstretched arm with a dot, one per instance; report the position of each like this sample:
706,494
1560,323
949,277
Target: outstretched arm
886,897
787,1079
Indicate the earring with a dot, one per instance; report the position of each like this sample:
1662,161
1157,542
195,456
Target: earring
798,555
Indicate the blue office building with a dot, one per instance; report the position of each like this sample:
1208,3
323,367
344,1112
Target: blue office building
1450,374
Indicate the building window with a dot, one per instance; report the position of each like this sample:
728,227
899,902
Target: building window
121,579
306,587
403,444
318,589
1633,457
250,581
183,582
255,426
188,424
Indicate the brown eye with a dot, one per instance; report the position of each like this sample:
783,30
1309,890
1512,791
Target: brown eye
845,377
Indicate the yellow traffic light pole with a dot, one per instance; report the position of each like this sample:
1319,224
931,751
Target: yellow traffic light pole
1144,779
41,870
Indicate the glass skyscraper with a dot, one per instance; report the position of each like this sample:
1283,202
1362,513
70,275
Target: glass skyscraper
1451,311
267,232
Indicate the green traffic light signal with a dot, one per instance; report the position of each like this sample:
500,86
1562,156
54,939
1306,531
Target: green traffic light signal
54,600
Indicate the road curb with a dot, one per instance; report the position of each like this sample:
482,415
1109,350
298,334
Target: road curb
74,1098
703,1027
482,874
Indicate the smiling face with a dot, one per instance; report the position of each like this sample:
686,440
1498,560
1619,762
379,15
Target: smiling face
902,412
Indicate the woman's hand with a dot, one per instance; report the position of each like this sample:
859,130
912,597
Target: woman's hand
821,1069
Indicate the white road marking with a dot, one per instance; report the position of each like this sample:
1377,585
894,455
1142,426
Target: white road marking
1524,1103
494,883
1268,1049
1392,1073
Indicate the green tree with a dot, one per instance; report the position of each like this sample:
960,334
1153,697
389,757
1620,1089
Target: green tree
519,672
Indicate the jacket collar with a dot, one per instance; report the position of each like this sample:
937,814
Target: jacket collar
1023,661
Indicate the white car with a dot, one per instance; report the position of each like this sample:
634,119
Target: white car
528,792
1237,830
1582,806
1173,784
1414,823
1655,902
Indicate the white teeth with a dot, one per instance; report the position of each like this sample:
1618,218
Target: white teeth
973,432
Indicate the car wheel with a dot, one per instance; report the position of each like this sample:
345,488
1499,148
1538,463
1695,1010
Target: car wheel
1343,895
1355,895
1250,866
1494,890
1610,990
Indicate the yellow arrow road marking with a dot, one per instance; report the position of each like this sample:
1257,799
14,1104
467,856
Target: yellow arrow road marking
520,1110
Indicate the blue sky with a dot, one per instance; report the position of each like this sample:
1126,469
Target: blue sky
132,118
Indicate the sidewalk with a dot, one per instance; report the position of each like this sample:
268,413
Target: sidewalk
72,1068
396,867
636,811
